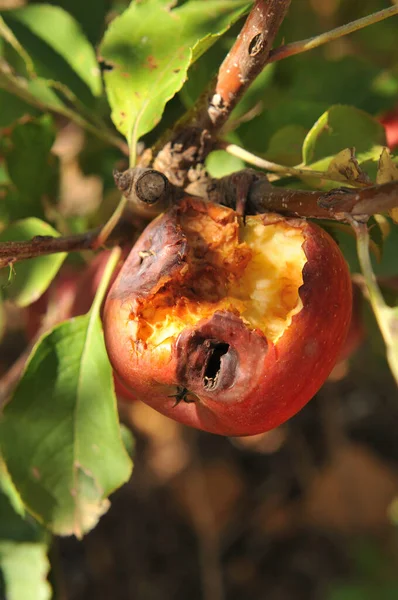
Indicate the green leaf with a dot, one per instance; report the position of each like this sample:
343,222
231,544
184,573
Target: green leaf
23,547
31,277
42,91
350,80
60,435
13,108
49,66
64,35
256,134
342,127
24,568
7,34
219,163
9,495
150,48
28,157
89,13
31,166
285,145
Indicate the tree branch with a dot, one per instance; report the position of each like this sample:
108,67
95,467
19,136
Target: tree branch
146,193
12,252
247,191
194,136
329,36
337,204
246,59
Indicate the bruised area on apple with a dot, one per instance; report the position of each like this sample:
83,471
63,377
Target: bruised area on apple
228,325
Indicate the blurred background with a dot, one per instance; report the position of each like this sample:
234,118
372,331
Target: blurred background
308,511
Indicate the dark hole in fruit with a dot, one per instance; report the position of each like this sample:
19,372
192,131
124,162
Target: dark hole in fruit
213,365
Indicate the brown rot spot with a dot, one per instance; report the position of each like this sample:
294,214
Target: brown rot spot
240,320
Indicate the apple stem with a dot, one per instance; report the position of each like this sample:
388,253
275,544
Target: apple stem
147,191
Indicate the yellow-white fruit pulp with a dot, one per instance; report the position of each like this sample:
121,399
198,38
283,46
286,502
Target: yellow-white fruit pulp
263,291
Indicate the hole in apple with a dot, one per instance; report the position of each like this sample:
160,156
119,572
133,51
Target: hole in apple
214,365
252,270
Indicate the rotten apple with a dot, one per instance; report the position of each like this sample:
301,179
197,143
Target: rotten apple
225,324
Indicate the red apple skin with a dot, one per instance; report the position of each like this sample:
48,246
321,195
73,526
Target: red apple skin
261,384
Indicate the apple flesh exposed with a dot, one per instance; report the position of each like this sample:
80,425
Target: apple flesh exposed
225,325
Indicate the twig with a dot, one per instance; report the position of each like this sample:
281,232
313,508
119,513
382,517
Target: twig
267,165
335,204
193,138
339,204
329,36
12,252
247,58
147,191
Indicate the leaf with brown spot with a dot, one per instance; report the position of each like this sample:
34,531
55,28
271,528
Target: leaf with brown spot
155,46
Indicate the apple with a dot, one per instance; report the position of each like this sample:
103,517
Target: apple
226,324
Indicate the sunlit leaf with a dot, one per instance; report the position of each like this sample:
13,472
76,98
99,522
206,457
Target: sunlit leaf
23,547
63,34
344,167
148,50
66,466
343,127
219,163
387,171
24,568
90,14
